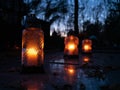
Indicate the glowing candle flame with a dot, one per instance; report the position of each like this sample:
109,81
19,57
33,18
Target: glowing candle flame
31,51
32,56
71,47
86,47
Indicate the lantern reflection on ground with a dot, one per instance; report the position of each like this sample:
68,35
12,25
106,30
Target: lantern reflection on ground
86,58
71,70
33,83
63,71
70,74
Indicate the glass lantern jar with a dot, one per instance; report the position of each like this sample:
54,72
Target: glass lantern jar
86,46
32,45
71,46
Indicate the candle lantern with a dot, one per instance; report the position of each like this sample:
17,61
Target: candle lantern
71,46
87,46
32,45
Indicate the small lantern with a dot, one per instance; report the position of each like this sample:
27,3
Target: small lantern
71,45
87,46
32,45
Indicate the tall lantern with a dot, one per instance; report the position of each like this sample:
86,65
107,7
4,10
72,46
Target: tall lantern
32,44
71,46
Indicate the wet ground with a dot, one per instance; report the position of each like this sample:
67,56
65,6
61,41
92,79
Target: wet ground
98,71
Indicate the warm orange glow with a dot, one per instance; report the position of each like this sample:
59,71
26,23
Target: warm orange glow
71,71
32,46
71,46
87,47
32,84
32,88
86,59
32,56
31,52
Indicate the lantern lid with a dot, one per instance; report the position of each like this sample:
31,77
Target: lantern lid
32,21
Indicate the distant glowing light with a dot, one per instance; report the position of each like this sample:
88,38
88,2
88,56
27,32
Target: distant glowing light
71,46
86,47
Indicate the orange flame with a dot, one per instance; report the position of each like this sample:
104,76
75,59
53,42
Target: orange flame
71,46
87,47
32,51
32,56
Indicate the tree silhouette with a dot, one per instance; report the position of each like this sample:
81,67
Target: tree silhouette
112,24
50,10
11,12
76,17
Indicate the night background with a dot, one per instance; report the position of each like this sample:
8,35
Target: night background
97,20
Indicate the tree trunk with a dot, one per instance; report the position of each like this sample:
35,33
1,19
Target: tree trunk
76,17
